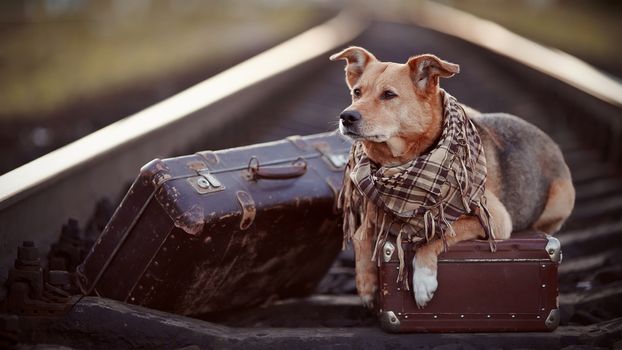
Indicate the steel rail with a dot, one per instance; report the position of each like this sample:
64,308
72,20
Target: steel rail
494,37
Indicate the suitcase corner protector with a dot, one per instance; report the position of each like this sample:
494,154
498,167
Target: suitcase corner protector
554,249
552,321
389,321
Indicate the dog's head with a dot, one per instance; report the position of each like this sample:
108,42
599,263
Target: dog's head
392,103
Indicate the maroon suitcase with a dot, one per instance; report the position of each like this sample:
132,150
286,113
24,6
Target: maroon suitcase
223,230
512,289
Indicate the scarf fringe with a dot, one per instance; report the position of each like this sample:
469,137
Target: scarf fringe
380,234
485,220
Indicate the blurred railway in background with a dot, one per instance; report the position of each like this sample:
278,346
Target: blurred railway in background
70,67
304,99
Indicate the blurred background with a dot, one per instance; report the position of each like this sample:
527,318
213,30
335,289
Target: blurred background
69,67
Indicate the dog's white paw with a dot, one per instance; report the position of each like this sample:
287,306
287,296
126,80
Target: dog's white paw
368,301
424,284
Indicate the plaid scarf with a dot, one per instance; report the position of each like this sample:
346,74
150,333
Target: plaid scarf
419,200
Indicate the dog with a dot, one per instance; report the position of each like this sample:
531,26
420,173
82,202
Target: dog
397,115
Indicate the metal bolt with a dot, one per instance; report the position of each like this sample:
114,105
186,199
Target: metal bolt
513,316
461,316
487,316
28,251
71,230
59,277
203,183
435,316
543,285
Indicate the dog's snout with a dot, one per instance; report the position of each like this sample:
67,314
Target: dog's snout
349,117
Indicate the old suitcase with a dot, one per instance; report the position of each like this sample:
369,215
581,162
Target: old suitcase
223,230
512,289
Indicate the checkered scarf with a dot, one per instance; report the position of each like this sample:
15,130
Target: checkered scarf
420,200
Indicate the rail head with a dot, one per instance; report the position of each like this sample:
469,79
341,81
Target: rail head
314,42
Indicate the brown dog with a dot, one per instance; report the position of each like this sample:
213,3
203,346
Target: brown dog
397,114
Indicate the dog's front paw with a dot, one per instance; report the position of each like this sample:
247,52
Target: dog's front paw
424,283
366,286
368,300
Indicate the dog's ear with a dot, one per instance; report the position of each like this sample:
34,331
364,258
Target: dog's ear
357,58
426,69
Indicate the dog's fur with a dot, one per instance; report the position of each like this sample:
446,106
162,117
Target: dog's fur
528,183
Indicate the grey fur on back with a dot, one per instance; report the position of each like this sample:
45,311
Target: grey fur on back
528,160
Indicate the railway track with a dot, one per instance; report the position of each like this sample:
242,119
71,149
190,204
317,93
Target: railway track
305,98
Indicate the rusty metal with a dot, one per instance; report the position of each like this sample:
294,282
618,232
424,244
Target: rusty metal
205,183
29,293
69,251
9,331
249,210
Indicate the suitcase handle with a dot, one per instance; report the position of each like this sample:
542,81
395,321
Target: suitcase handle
276,172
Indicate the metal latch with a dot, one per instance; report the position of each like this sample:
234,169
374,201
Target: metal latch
206,183
387,251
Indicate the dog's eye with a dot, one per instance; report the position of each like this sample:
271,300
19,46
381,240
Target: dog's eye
388,94
356,92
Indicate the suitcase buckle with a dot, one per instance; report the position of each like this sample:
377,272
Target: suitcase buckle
205,183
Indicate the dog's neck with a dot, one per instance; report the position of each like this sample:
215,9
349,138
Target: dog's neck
404,148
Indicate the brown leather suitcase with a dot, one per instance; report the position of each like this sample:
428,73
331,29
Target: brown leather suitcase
222,230
512,289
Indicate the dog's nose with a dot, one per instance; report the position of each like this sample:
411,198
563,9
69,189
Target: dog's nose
349,117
